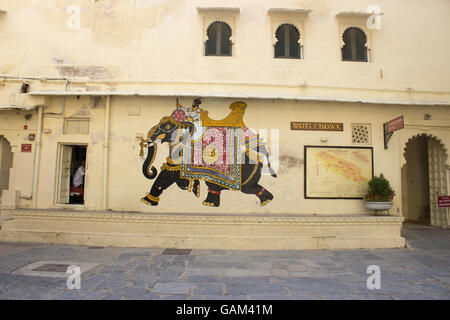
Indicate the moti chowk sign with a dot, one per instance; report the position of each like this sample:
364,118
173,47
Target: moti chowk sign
317,126
391,126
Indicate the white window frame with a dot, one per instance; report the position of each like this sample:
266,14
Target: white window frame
60,146
358,20
218,14
295,17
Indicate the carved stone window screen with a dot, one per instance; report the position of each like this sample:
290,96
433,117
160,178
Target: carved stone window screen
361,133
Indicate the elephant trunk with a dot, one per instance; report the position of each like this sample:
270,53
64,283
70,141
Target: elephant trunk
148,170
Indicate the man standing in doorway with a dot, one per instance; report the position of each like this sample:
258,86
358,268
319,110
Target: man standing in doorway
78,178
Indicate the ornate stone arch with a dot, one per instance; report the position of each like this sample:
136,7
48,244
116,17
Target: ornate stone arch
428,135
206,37
5,146
355,28
275,40
438,178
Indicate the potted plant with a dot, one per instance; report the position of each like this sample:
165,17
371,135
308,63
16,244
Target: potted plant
380,194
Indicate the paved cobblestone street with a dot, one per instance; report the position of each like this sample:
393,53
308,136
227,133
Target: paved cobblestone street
420,271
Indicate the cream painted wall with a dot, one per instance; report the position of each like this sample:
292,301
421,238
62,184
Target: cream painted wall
12,129
51,143
161,42
156,47
127,184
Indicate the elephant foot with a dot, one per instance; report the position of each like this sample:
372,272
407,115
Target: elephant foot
264,197
150,200
196,188
213,199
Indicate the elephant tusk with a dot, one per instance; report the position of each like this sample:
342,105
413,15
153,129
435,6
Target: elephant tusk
151,144
147,144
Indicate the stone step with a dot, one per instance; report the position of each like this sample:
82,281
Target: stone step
203,231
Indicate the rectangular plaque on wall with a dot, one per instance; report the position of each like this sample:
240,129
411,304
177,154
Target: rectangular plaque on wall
26,148
317,126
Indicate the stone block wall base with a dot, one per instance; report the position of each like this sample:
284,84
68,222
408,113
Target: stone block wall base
242,232
10,199
5,214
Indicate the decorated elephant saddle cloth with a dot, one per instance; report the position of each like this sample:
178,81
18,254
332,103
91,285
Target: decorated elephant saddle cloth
217,153
215,157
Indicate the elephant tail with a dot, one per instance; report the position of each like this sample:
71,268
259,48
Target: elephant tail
148,170
272,172
262,149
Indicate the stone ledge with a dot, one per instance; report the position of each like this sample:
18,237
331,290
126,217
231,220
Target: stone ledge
182,218
196,231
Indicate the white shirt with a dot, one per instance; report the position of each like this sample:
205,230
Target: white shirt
78,177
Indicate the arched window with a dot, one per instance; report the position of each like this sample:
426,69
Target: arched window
218,43
287,45
6,159
354,48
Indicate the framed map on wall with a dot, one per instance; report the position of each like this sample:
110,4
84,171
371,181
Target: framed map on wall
337,172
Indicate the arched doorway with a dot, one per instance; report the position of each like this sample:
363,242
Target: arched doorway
424,177
5,164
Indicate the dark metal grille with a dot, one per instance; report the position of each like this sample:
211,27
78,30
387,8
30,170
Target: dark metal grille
177,252
52,268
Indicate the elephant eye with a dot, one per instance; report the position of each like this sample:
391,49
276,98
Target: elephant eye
167,127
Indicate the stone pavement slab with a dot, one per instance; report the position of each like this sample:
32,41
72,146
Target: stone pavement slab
419,271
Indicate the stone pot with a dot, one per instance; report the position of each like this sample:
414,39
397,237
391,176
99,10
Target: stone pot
378,206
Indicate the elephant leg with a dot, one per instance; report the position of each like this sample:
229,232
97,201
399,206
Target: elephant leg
264,195
213,198
196,188
183,184
190,185
164,180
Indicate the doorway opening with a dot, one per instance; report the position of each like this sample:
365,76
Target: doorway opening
424,178
72,168
6,160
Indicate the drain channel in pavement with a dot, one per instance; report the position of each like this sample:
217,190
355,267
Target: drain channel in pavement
53,269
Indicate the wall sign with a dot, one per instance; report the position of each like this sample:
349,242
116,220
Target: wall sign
26,148
317,126
391,126
443,201
337,172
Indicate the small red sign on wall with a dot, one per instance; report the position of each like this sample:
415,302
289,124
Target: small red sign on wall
394,125
26,148
443,201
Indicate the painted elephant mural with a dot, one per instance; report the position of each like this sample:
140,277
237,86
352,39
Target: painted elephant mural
225,154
